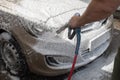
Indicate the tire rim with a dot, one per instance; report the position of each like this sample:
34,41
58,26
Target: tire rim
9,55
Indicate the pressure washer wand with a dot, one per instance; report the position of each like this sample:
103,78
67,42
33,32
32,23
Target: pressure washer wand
76,32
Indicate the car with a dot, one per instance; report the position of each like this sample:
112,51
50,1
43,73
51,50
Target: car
29,38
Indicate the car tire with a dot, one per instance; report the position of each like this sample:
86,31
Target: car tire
11,55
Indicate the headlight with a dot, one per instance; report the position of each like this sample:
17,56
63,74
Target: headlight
34,29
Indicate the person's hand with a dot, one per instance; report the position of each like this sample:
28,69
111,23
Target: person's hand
74,22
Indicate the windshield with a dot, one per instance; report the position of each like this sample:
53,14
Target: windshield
86,1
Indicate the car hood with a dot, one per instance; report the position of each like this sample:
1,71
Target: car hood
51,13
47,9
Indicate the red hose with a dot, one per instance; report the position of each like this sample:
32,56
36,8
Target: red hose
76,32
72,69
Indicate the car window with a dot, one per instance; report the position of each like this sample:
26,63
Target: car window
86,1
15,1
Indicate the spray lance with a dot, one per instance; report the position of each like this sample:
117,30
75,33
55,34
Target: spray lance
71,34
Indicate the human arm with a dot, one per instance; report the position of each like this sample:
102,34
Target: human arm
96,10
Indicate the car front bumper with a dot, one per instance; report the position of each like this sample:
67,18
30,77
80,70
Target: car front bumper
37,51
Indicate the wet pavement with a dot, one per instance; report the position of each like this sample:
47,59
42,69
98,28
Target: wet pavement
100,69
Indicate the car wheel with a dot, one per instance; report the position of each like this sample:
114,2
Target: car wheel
11,55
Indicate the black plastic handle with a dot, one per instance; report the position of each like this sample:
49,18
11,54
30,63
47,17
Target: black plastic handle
71,32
